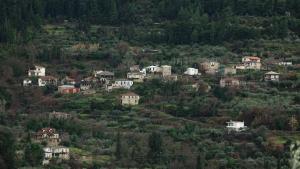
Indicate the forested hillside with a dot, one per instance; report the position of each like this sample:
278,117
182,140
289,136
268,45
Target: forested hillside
180,21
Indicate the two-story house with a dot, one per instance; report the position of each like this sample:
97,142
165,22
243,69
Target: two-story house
229,82
37,71
251,62
210,67
130,99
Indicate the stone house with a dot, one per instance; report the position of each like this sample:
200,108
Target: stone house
37,71
136,76
48,135
229,82
272,76
130,99
251,62
134,68
210,67
229,71
55,152
47,80
166,70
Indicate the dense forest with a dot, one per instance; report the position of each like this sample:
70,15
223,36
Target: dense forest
182,21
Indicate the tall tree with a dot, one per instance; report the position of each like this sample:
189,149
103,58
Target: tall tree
34,154
156,150
118,152
7,149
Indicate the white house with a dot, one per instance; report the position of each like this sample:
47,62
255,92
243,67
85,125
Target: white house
27,82
47,80
153,69
285,63
236,126
37,71
272,76
191,72
123,83
58,152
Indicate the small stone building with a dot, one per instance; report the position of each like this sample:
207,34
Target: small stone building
229,82
272,76
229,71
210,67
166,70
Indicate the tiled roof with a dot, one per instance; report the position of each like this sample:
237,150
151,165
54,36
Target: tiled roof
129,94
48,131
48,78
271,73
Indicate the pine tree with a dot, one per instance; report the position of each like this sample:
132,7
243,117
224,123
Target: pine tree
200,162
155,145
113,12
118,152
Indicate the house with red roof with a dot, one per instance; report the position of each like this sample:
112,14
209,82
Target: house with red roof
251,62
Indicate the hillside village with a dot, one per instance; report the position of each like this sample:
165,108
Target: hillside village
140,84
229,76
217,99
